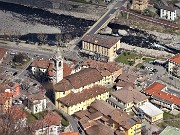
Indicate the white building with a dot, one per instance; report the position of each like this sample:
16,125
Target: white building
37,102
40,65
167,13
152,113
49,125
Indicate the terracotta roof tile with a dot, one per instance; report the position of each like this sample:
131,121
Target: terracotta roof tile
69,133
99,129
4,97
101,40
127,77
124,84
156,90
75,98
47,64
175,58
102,107
128,96
41,63
66,69
63,85
17,113
52,118
36,96
84,77
123,119
105,69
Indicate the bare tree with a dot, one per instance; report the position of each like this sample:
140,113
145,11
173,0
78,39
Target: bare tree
42,37
59,38
11,126
67,38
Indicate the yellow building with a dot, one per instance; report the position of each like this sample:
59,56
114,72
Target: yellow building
74,102
152,113
174,65
104,74
139,4
126,98
101,47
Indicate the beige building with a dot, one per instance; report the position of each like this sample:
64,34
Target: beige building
139,4
174,65
127,98
100,47
115,120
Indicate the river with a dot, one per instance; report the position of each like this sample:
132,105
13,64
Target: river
78,26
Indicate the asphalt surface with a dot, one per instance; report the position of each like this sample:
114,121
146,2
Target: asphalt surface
113,9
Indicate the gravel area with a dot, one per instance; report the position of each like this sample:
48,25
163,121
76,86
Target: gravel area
11,23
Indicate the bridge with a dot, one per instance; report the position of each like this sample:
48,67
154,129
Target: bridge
106,18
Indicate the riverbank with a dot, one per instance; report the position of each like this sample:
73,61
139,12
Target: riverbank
147,52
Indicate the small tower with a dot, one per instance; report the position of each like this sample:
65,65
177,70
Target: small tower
57,67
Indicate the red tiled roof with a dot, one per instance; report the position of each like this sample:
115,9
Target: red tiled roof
52,118
2,52
4,97
175,59
101,66
69,133
17,113
41,63
155,90
66,69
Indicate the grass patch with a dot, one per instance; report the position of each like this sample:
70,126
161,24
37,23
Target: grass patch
30,117
128,58
147,59
40,114
168,120
139,65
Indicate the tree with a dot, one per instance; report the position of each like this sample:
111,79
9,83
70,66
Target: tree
20,58
9,125
42,37
67,38
59,38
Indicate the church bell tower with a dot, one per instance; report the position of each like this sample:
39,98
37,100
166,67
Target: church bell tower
57,67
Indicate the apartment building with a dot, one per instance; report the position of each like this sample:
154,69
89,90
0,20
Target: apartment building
127,98
168,13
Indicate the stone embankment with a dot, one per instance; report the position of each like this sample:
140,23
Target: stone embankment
170,40
147,52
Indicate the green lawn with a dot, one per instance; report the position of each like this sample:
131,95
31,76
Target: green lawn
128,58
168,120
146,59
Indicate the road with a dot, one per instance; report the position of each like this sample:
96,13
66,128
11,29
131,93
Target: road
21,48
112,9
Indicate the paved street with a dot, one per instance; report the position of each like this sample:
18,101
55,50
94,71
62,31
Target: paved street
112,9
